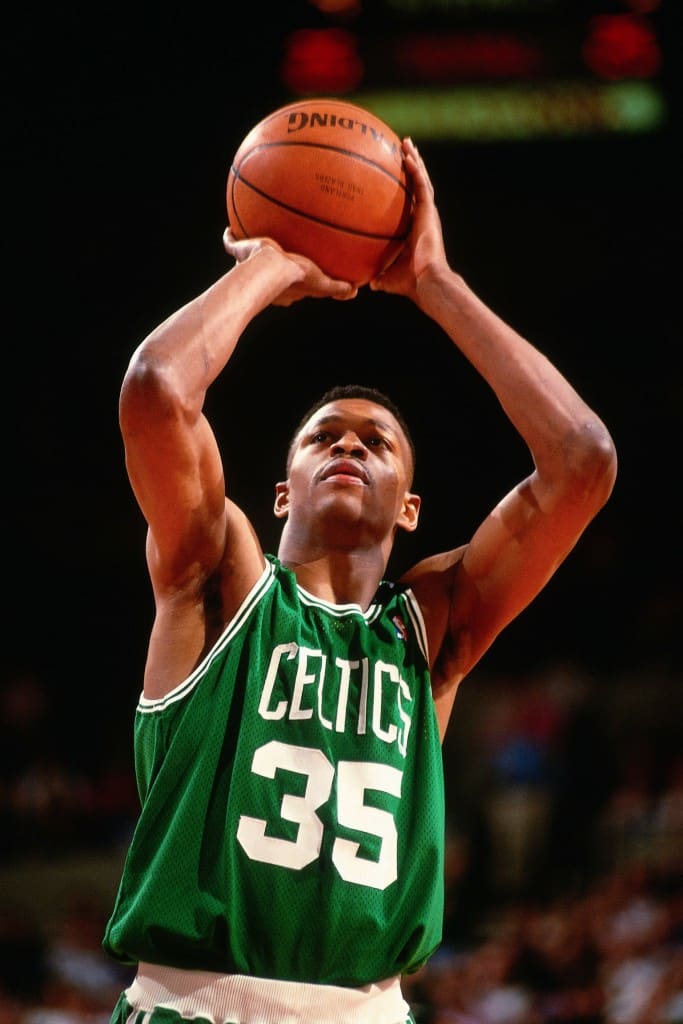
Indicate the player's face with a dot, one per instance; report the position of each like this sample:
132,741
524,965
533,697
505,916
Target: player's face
353,461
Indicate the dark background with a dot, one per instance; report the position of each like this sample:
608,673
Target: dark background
119,130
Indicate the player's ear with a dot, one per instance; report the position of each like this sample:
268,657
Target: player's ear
410,512
281,506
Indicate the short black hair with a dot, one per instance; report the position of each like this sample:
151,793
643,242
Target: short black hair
370,394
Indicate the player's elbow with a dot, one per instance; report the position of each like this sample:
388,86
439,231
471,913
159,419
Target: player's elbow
149,391
591,461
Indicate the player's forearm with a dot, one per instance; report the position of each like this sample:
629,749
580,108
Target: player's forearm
559,427
191,348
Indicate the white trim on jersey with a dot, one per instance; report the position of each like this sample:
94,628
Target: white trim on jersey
337,610
415,614
261,587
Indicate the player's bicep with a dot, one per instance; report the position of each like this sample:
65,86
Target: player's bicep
177,478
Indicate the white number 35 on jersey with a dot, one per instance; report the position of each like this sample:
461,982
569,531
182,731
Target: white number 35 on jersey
353,779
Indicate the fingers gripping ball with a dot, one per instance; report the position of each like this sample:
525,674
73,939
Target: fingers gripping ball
326,179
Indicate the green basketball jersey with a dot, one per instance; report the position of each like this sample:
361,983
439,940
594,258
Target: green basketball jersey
292,821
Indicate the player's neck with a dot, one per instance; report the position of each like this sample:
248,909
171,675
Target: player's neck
339,577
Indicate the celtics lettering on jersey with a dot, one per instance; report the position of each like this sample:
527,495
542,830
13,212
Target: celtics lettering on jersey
312,686
302,694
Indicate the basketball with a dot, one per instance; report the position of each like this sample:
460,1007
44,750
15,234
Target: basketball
326,179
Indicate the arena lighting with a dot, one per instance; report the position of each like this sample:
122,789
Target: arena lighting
519,112
621,46
321,61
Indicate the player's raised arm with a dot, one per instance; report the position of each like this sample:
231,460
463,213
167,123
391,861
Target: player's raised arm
172,456
473,592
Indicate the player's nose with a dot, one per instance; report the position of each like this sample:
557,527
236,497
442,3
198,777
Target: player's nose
350,444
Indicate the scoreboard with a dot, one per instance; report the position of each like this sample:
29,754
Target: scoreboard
483,70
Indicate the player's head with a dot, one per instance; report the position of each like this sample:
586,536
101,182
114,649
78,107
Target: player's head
362,391
350,469
349,472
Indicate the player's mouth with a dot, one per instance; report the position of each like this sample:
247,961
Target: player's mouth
346,471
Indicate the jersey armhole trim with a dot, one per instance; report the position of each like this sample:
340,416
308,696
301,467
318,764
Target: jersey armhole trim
148,705
415,615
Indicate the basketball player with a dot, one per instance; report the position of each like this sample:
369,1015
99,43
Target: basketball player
287,865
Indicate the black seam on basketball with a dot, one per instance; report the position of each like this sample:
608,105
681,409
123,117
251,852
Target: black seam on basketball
233,179
317,145
310,217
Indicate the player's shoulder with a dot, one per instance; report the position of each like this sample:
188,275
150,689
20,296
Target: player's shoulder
433,582
433,573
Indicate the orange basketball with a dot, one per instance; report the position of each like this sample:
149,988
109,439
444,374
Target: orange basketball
326,179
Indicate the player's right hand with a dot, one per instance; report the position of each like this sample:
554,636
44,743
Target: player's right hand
311,282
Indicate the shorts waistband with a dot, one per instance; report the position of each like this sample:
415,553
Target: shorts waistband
242,999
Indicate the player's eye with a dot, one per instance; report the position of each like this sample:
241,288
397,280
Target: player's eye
320,436
377,442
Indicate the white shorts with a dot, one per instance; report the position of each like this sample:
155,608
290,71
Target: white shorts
240,999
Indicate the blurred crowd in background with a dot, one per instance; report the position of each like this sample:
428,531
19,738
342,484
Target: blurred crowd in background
563,869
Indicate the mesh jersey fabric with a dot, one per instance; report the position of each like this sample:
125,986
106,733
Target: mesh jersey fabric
292,818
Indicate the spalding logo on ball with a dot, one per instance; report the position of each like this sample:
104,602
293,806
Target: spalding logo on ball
326,179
